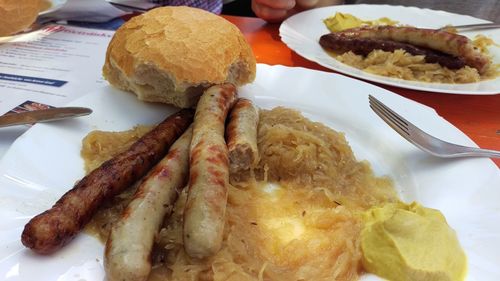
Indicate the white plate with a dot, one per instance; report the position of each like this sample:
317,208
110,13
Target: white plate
55,5
43,163
301,33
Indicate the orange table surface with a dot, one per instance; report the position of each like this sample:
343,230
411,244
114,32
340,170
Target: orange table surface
478,116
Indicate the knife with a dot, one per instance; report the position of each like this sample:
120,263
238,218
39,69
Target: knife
43,115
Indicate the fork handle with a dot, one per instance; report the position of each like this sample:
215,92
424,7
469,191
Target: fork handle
477,152
480,26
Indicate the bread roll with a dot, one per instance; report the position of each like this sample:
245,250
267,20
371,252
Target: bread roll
17,15
171,54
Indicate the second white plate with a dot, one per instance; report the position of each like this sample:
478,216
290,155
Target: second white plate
301,33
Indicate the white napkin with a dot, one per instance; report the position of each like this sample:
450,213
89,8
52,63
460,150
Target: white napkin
140,4
84,10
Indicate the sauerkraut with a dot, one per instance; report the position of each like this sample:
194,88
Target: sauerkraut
402,65
299,152
299,218
99,146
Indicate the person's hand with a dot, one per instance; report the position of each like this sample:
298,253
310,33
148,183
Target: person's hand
278,10
273,10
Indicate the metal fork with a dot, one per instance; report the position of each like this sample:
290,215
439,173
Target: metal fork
471,27
423,140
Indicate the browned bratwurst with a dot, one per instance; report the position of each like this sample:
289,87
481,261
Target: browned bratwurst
241,136
204,214
128,250
439,40
52,229
364,46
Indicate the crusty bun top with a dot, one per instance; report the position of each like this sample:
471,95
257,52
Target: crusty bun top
17,15
189,46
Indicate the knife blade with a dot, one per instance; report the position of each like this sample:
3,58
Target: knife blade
43,115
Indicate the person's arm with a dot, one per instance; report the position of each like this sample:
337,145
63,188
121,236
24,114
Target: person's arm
278,10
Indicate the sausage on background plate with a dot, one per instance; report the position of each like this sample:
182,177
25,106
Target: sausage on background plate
52,229
204,214
439,40
130,243
364,46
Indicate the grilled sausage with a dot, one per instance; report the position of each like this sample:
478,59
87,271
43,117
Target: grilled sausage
448,43
128,249
241,136
52,229
363,46
204,214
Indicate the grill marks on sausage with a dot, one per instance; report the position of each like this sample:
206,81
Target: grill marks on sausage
216,156
216,177
204,212
52,229
162,171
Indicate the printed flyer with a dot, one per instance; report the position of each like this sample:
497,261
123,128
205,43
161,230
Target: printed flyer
51,66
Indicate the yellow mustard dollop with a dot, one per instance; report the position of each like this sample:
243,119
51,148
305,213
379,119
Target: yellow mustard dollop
411,242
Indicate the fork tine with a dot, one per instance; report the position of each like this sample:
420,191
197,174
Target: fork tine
389,119
393,119
389,122
396,118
